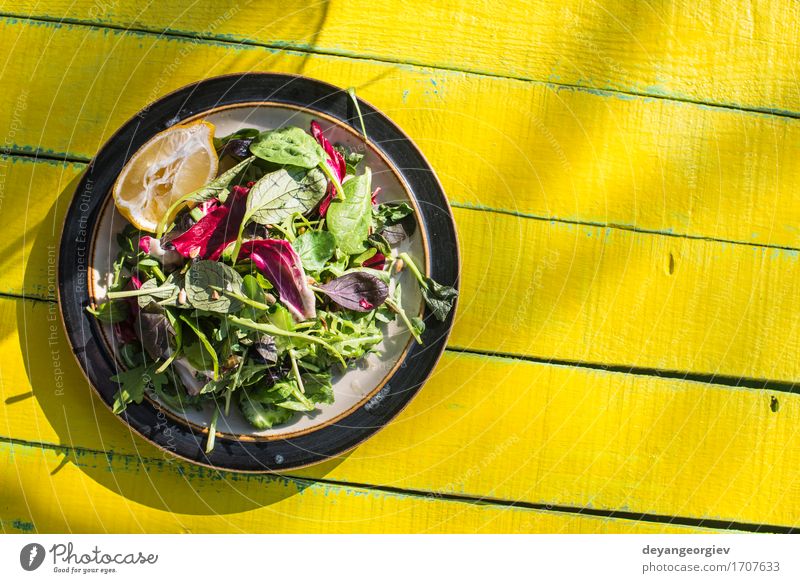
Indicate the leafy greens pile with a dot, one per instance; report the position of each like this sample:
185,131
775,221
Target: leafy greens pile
256,287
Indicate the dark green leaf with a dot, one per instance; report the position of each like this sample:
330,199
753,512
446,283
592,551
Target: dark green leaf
440,298
288,146
380,243
349,220
315,249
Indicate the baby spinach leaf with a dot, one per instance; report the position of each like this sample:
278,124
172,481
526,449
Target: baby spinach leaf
151,291
206,282
349,220
282,193
288,146
315,248
440,298
358,291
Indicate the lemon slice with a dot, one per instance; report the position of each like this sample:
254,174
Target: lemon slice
172,164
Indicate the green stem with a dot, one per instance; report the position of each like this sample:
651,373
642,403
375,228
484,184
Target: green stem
400,312
296,372
132,293
206,344
414,269
352,93
212,429
270,329
244,299
333,178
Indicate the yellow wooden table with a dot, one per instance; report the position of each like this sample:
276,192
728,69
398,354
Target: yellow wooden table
625,177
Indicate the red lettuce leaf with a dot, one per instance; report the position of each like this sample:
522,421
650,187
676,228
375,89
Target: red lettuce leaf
335,162
280,264
358,291
208,237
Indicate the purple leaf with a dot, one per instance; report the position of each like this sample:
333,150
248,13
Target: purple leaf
358,291
280,264
211,234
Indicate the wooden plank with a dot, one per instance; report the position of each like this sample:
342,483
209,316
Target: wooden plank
575,155
492,427
733,53
34,196
547,290
50,491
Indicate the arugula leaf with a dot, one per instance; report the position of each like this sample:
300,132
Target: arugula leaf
262,416
315,249
205,343
319,388
288,146
358,291
391,213
132,384
349,220
206,282
111,312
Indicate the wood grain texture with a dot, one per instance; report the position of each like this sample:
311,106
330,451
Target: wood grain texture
545,289
735,53
491,427
534,149
43,488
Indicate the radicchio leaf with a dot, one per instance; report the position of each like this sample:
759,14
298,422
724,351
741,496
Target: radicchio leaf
358,291
335,162
280,264
211,234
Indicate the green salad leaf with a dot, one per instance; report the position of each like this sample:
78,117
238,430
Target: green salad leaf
206,284
349,220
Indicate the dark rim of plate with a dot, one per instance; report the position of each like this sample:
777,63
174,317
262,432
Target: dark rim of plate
81,222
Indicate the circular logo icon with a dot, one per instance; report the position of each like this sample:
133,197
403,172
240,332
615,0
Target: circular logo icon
31,556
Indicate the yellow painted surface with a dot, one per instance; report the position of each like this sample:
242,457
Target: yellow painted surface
126,493
553,290
663,255
490,427
728,52
653,165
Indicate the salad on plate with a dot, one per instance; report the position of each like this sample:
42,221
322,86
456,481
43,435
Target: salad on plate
254,268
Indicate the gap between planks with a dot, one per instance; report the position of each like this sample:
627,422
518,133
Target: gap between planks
64,158
304,49
707,378
464,499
